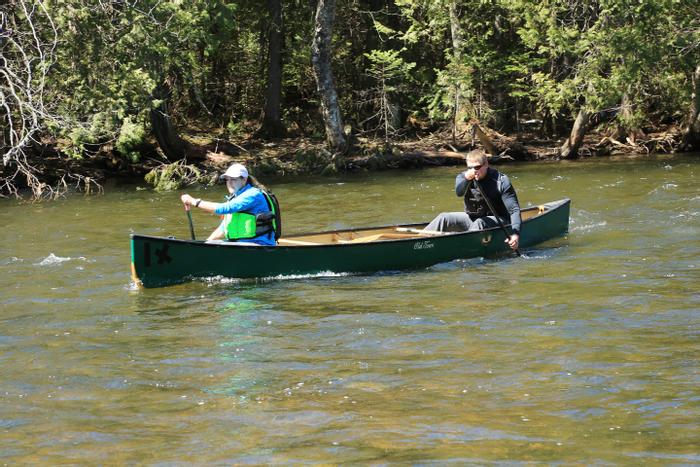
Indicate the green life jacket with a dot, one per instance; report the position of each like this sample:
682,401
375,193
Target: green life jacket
240,226
245,225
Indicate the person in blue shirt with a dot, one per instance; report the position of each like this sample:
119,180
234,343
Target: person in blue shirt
248,213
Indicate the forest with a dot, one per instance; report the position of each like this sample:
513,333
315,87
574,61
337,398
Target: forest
94,88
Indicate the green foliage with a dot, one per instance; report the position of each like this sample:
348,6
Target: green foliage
597,52
116,61
454,86
168,177
86,138
389,68
131,136
235,130
389,73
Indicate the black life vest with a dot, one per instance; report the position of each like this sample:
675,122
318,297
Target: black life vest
274,220
474,203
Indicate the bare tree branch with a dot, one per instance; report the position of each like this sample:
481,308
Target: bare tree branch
26,57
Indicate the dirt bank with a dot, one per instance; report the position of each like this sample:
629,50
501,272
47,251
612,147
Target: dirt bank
306,156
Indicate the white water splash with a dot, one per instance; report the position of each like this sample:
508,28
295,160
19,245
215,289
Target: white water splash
612,185
306,276
53,259
587,227
682,215
230,280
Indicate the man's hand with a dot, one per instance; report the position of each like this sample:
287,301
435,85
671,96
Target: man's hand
513,241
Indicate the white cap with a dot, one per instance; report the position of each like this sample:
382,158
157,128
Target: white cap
235,171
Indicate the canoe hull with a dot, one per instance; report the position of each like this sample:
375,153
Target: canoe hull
160,261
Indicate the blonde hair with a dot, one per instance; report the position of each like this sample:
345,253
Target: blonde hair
477,155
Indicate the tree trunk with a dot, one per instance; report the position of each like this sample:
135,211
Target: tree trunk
623,132
626,113
393,114
569,149
456,31
163,129
321,61
691,138
272,126
484,139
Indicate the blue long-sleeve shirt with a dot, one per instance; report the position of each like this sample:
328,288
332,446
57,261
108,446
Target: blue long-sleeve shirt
251,200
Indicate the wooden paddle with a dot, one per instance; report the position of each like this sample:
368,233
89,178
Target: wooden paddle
493,211
189,218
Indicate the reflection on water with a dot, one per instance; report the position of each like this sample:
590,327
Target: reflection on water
582,351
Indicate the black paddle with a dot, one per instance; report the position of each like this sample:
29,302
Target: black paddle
189,218
493,211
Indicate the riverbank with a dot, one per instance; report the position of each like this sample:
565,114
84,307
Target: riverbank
306,156
208,156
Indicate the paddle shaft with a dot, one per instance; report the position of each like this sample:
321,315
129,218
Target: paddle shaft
189,218
493,211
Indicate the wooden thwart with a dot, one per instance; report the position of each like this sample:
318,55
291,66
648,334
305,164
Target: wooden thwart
289,241
419,231
366,238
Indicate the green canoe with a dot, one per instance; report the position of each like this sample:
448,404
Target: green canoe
160,261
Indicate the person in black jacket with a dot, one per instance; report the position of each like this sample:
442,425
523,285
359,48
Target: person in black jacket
477,215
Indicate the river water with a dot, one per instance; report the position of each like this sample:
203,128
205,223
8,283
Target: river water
584,351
